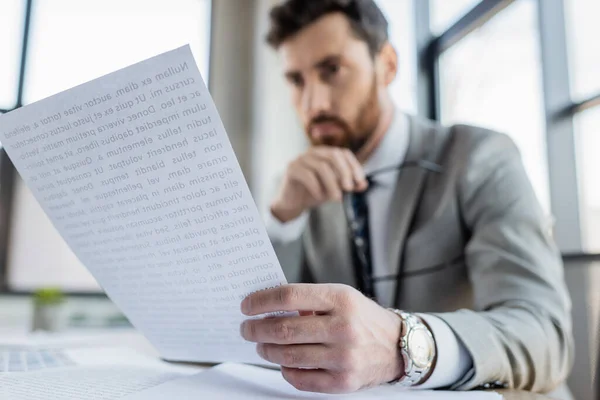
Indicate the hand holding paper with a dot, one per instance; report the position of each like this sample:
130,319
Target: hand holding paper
338,345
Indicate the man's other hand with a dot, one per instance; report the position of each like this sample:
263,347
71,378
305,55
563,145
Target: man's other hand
341,342
317,176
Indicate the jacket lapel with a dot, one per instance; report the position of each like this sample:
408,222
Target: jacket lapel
408,192
343,258
327,246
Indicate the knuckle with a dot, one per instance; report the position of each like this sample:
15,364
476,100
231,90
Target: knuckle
250,330
348,154
287,296
348,360
295,175
290,357
283,332
338,154
348,331
262,301
344,360
324,167
346,297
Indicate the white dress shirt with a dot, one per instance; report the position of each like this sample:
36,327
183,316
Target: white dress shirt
453,360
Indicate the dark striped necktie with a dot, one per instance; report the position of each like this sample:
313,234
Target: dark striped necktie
357,213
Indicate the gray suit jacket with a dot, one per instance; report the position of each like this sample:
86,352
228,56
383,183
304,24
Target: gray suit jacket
474,248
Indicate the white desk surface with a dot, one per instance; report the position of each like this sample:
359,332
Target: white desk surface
80,338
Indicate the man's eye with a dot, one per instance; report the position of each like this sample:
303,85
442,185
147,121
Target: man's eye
330,70
296,80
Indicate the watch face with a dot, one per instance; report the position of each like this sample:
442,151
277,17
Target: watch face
421,348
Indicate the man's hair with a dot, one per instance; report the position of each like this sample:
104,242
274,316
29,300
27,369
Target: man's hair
366,19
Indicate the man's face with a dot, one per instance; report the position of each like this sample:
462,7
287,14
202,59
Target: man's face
335,85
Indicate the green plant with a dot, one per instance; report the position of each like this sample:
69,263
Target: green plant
48,296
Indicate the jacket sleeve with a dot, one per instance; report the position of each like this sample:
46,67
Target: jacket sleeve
519,333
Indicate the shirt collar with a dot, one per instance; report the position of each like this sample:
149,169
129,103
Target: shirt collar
392,149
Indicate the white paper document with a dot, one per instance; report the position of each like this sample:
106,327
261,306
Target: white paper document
245,382
137,173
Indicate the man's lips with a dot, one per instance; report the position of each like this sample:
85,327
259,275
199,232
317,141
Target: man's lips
324,129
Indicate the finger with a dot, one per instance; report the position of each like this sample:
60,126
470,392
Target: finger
290,298
297,356
358,172
288,330
308,179
327,177
336,158
318,380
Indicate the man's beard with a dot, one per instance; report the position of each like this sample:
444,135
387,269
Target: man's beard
351,138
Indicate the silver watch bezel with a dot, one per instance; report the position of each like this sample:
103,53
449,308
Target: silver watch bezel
413,372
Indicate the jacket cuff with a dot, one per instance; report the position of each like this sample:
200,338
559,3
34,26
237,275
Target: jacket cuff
477,336
287,232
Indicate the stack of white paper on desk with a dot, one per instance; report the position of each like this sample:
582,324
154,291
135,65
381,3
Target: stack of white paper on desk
136,172
244,382
113,373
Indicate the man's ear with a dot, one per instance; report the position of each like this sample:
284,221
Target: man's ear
387,64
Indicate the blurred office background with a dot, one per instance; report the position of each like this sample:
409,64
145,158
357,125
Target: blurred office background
529,68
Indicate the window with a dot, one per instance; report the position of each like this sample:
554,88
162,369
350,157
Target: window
444,13
75,41
588,140
584,48
492,78
38,256
11,27
72,42
584,30
400,15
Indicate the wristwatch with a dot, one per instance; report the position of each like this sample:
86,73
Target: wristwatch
417,348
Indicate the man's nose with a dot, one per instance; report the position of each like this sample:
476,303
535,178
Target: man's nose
316,100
